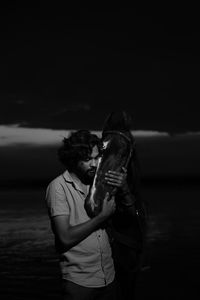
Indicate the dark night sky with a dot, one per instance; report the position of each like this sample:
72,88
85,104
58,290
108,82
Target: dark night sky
67,68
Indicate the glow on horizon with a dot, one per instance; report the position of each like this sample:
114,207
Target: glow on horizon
13,134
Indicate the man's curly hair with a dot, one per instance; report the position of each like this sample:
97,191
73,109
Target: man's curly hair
78,146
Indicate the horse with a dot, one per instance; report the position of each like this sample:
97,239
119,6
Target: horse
126,231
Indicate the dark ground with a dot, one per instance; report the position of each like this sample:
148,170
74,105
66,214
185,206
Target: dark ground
29,267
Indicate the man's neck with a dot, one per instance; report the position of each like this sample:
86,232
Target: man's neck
81,184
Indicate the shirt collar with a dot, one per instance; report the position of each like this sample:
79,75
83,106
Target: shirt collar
73,179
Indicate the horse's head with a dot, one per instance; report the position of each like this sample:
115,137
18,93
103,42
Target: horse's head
115,154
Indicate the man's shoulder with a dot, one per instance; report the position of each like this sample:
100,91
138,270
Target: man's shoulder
59,180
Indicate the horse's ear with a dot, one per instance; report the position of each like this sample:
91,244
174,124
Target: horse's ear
106,123
118,120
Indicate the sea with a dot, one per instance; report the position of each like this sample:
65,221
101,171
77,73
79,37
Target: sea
29,264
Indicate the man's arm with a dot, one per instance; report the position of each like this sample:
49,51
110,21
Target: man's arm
70,236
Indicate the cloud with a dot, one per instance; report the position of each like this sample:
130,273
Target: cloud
149,133
72,107
191,133
14,134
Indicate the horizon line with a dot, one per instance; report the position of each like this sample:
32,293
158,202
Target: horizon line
14,134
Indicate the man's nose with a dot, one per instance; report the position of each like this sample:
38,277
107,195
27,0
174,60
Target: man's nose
94,162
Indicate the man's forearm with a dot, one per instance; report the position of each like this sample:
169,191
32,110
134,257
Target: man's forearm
77,233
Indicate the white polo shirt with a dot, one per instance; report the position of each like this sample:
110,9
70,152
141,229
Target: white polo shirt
90,262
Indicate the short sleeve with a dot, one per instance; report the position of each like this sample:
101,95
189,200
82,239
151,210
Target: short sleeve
56,200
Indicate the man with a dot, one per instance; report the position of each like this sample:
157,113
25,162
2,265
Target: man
82,243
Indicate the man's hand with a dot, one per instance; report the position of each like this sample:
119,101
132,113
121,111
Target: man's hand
117,179
108,207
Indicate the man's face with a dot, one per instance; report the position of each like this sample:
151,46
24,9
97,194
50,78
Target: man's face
87,168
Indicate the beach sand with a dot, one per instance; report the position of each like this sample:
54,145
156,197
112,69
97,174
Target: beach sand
29,266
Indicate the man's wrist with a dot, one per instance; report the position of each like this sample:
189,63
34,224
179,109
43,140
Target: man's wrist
129,199
125,193
128,204
100,218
